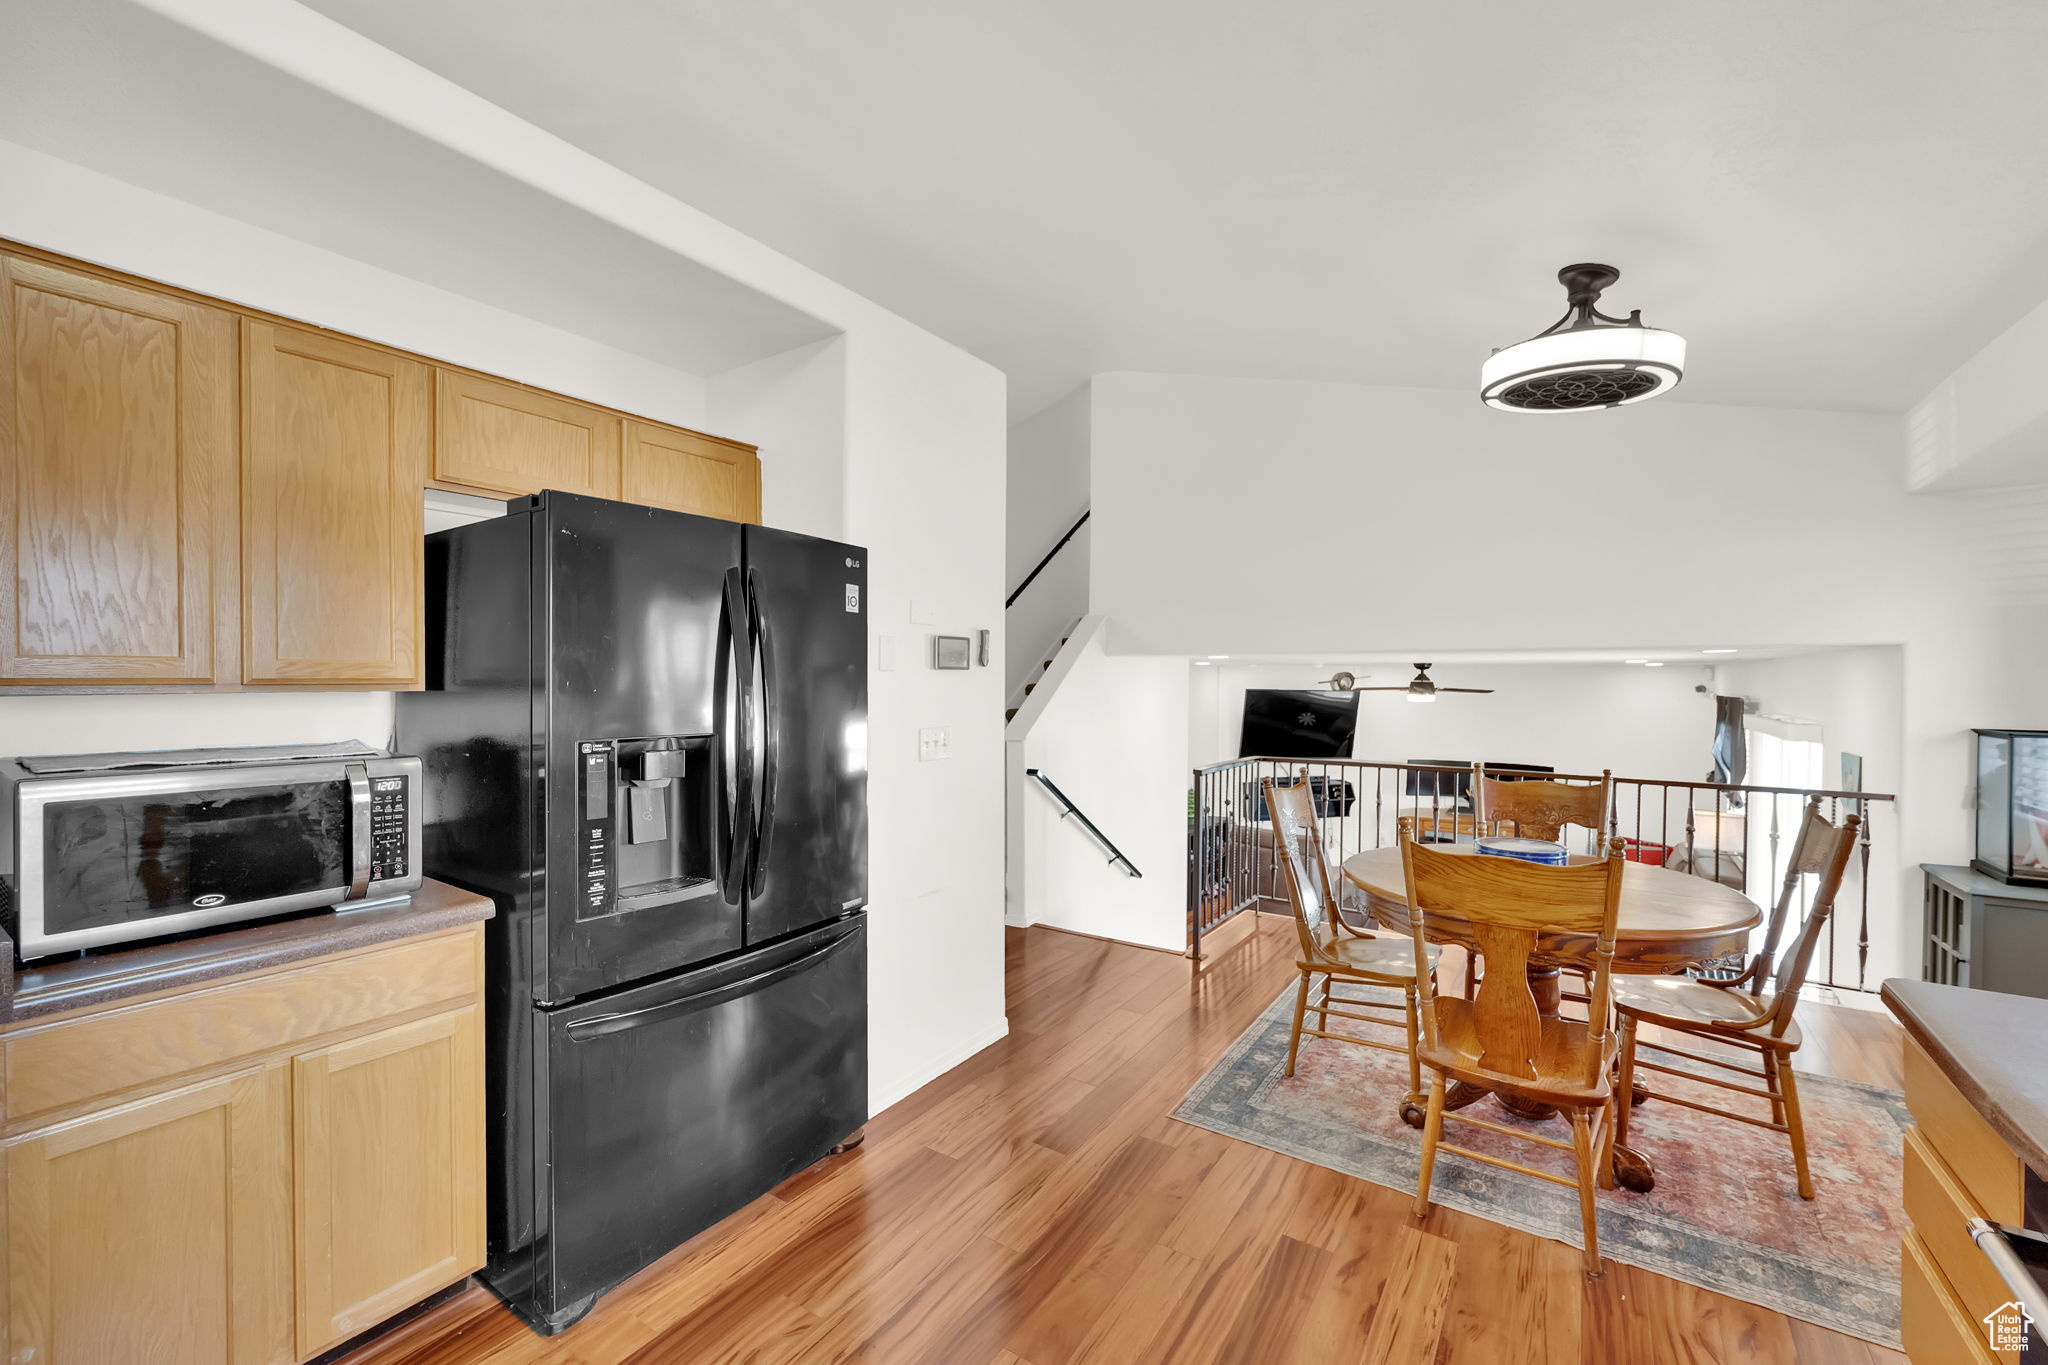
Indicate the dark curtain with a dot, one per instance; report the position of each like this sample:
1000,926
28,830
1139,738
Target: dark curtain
1731,753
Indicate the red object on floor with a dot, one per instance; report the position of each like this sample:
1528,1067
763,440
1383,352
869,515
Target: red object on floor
1641,851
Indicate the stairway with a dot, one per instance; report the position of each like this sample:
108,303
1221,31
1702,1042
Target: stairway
1011,713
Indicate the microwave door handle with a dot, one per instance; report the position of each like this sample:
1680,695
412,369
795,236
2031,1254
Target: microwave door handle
358,830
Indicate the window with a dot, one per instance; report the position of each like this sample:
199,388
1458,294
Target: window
1782,753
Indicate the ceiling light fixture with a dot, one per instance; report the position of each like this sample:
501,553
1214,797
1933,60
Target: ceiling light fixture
1717,651
1653,663
1635,661
1585,359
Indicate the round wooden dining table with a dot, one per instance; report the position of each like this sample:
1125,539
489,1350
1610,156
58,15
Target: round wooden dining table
1667,921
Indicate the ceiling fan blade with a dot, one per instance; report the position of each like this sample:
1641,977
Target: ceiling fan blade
1464,689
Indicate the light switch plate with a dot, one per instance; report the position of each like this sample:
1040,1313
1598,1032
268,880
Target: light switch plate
934,743
885,653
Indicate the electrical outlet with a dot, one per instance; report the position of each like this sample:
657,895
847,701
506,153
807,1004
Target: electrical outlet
934,744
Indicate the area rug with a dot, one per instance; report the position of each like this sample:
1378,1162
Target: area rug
1725,1215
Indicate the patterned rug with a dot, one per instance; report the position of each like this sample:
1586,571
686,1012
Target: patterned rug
1726,1214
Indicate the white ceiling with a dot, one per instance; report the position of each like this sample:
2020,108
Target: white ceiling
1835,200
111,86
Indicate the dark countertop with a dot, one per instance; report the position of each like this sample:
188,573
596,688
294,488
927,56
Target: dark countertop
1994,1047
29,992
1971,882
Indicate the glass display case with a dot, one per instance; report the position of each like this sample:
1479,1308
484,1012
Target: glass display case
2012,805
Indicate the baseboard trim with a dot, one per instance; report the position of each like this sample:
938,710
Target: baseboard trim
914,1081
1104,938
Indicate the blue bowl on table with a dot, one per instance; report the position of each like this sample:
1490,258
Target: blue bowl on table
1525,850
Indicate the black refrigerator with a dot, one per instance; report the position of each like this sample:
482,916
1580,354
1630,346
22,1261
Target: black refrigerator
645,737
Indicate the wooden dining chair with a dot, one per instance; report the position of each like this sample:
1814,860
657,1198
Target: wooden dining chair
1539,808
1334,950
1500,1040
1752,1012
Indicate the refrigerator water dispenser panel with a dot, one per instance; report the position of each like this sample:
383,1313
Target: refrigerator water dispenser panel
648,818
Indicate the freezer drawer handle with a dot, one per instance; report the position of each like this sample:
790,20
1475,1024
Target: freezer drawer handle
606,1024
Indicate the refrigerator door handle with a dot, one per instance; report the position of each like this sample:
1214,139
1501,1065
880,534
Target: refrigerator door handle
598,1026
764,821
736,742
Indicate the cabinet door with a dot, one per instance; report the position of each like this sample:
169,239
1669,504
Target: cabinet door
499,436
117,441
334,455
388,1149
664,467
154,1231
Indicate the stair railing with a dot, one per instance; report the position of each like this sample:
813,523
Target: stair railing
1068,808
1039,568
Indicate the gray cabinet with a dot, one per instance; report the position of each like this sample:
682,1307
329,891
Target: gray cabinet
1983,933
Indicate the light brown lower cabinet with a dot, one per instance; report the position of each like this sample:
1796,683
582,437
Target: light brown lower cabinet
388,1160
1957,1168
318,1171
154,1230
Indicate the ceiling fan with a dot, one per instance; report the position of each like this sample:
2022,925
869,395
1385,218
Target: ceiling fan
1419,688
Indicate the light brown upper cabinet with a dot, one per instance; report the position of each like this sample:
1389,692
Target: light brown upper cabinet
489,434
335,447
666,467
117,481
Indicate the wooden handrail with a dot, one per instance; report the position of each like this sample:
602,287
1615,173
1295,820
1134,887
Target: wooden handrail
1466,768
1011,601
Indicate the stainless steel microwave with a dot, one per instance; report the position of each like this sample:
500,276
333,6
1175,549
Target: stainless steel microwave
99,849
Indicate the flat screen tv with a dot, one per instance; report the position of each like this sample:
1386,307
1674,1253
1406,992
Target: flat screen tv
1281,724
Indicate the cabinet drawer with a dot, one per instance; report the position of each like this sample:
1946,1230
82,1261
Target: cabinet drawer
1933,1327
1980,1159
71,1061
1939,1208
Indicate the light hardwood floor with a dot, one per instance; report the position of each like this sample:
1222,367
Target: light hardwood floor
1036,1206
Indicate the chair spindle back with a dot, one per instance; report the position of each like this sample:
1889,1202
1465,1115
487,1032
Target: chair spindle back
1300,845
1812,852
1827,848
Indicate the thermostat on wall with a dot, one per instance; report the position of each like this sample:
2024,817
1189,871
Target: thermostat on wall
951,651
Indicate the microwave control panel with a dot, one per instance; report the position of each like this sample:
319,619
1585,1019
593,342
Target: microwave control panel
389,815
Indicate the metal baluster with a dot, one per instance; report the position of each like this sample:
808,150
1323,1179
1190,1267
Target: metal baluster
1863,922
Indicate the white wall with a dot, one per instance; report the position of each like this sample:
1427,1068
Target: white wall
793,407
1112,733
919,474
1576,718
1669,524
1047,490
